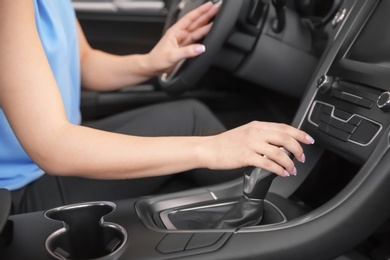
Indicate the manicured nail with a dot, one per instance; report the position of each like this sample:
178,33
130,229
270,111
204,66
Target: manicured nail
310,139
200,49
295,172
286,173
303,158
217,3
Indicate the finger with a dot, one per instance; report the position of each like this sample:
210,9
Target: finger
278,156
281,139
196,35
298,134
269,165
192,16
275,135
203,19
189,51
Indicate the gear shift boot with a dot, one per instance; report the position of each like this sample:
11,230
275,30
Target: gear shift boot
226,216
248,211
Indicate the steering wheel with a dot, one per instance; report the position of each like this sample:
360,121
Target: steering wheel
188,72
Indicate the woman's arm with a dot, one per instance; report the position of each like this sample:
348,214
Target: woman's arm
32,103
33,106
103,71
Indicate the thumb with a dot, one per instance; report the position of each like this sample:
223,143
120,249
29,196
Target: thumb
190,51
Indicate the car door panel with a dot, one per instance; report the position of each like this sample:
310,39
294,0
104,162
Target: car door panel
121,27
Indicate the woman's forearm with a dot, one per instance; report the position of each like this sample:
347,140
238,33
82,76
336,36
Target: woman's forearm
102,71
81,151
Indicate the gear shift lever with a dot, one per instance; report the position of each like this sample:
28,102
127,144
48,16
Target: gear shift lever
257,182
249,209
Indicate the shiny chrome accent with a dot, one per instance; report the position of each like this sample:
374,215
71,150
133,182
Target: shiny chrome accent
182,5
383,102
339,17
251,180
166,77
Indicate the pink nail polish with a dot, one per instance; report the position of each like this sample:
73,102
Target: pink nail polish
200,49
303,158
286,173
310,139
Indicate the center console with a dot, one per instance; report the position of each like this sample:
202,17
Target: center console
349,111
345,108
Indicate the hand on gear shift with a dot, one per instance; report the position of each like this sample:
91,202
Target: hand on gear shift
249,209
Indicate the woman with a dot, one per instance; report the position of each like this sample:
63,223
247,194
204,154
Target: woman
47,158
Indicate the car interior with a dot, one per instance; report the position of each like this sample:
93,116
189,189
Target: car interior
320,65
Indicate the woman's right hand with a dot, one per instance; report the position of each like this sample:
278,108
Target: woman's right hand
257,144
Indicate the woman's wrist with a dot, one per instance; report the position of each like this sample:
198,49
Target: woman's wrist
203,153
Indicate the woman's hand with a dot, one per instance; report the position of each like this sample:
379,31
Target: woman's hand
257,144
102,71
178,42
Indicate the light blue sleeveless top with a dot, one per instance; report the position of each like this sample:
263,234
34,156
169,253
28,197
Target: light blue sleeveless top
55,20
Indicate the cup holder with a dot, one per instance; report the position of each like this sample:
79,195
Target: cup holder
85,235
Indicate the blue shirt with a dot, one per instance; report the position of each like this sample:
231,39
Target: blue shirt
56,24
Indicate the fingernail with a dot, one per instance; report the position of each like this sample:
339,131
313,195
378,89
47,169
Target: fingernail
303,158
295,172
286,173
200,49
217,3
310,139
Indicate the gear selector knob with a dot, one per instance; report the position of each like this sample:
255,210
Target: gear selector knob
257,182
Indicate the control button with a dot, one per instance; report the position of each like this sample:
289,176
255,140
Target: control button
342,114
332,131
318,110
349,98
356,100
338,124
328,109
172,243
355,120
324,83
337,94
201,240
365,132
383,102
365,103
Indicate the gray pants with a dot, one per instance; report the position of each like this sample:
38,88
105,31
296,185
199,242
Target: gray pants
181,118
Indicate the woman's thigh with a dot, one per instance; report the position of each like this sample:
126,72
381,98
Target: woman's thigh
180,118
